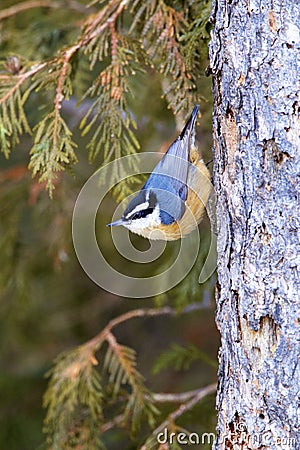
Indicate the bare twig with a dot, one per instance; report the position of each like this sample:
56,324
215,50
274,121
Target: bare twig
163,397
196,394
183,408
112,423
20,7
96,341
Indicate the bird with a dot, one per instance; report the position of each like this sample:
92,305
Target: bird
171,203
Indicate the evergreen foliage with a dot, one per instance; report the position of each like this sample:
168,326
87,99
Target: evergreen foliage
120,38
79,400
73,401
180,358
99,54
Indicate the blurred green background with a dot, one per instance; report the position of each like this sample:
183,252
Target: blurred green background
48,303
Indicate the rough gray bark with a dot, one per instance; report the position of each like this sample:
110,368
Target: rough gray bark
255,63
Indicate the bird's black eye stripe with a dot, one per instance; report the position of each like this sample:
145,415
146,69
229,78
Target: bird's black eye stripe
142,213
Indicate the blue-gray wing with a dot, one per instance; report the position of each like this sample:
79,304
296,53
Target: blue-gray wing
171,173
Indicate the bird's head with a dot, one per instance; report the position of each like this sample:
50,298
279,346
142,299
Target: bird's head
146,211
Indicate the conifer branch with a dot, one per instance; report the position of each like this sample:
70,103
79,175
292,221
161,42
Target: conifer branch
75,374
88,34
159,36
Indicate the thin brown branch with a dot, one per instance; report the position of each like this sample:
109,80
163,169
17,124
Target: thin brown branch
203,392
20,7
112,423
114,39
183,408
91,30
142,312
196,394
163,397
62,76
21,78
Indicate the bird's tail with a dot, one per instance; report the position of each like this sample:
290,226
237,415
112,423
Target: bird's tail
190,125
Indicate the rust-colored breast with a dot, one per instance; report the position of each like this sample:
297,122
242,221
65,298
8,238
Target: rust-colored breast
199,189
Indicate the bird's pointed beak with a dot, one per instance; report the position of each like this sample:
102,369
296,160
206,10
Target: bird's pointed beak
116,223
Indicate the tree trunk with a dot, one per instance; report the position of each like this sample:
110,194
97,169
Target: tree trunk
255,64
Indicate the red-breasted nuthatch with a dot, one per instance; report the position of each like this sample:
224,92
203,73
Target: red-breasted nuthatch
171,203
